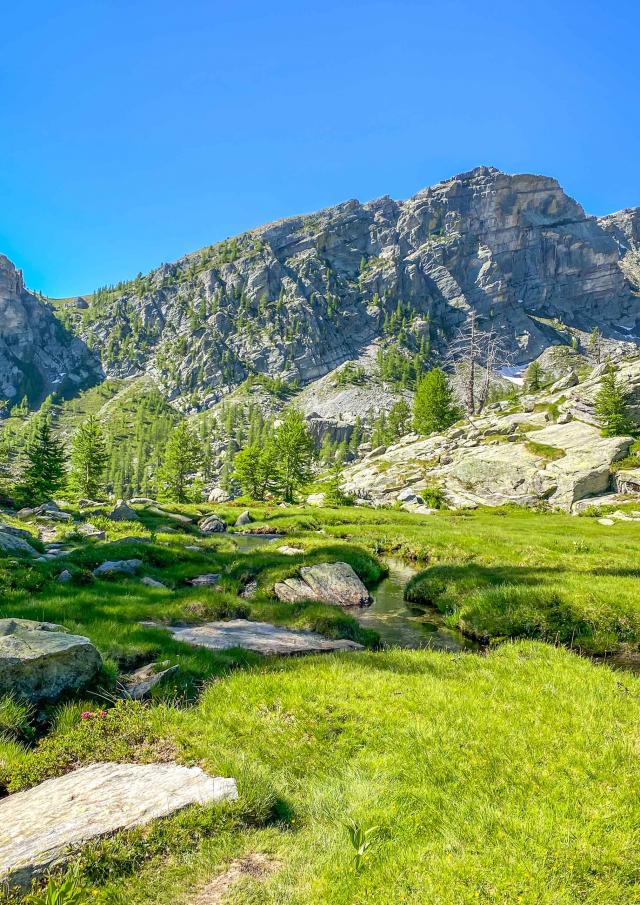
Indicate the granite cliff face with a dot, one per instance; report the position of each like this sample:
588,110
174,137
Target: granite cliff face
296,298
37,354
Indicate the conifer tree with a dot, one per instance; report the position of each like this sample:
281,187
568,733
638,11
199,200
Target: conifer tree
533,377
88,459
612,407
44,472
255,469
434,408
295,453
182,457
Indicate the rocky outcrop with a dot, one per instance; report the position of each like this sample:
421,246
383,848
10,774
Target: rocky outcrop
40,660
122,512
117,567
212,524
38,355
12,543
297,298
334,583
46,825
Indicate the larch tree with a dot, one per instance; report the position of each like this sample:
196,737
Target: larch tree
44,472
89,459
183,456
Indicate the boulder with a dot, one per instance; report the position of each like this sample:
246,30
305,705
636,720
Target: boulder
243,519
47,824
9,543
122,566
316,499
212,524
218,495
40,660
334,583
123,513
65,577
625,481
286,550
260,637
16,532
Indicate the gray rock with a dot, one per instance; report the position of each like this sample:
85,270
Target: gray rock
607,522
89,530
194,548
249,590
139,684
243,519
152,583
174,516
334,583
41,660
65,577
122,567
286,550
218,495
261,637
95,801
316,499
9,543
123,513
212,524
16,532
205,581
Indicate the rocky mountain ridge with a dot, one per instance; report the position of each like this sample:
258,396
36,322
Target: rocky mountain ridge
296,298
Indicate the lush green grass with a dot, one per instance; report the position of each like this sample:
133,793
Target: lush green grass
511,777
508,778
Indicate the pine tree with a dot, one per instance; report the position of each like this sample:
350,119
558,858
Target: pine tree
44,473
434,408
295,453
533,377
334,494
612,407
255,469
89,459
182,457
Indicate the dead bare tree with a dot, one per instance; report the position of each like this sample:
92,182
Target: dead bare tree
476,356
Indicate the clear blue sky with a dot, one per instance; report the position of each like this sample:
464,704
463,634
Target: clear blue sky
134,132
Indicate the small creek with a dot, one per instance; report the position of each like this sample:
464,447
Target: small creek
399,624
403,624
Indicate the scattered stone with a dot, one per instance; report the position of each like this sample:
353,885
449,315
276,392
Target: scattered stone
409,496
88,504
316,499
142,501
16,532
243,519
286,550
89,530
138,685
261,637
212,524
334,583
46,824
122,566
607,522
152,583
25,513
41,660
65,577
123,513
205,581
194,548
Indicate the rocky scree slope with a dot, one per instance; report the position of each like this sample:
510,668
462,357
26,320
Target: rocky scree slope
37,353
298,297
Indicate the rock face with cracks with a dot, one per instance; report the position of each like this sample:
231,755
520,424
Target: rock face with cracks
260,637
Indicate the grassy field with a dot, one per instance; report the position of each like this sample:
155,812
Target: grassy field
511,776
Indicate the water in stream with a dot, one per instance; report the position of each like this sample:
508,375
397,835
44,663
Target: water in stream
401,624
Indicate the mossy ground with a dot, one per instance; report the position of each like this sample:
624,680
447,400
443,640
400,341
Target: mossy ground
511,776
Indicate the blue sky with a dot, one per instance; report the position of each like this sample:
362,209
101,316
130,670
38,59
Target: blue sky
134,132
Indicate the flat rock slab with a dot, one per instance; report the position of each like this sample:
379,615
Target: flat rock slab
260,637
45,824
334,583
